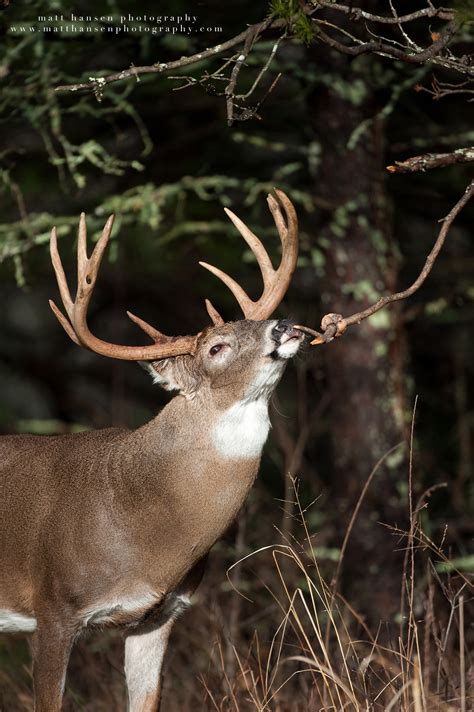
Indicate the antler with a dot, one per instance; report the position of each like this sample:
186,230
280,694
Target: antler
275,282
76,327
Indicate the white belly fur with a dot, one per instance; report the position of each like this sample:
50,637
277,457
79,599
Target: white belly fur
11,622
105,612
241,431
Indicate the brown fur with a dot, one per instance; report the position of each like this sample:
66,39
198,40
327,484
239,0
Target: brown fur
96,517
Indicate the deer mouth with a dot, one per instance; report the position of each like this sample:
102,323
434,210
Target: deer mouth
288,339
290,344
294,334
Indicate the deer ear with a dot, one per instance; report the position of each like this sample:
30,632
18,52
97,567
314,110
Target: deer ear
161,373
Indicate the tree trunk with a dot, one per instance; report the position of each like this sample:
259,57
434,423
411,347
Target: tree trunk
353,244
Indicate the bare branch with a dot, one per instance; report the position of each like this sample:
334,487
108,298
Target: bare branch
334,325
162,67
427,161
264,69
358,14
377,46
439,90
407,38
230,88
207,79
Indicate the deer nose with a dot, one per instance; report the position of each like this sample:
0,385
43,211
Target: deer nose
283,326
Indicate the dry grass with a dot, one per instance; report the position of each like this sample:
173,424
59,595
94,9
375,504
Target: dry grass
322,656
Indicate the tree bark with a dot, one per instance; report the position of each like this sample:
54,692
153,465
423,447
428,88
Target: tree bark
358,262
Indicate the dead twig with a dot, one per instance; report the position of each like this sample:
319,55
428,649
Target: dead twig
440,90
428,161
431,54
357,14
334,325
230,88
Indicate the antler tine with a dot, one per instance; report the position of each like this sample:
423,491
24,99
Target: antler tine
275,282
278,218
98,252
82,261
64,322
288,232
60,274
216,318
157,336
77,328
243,299
254,243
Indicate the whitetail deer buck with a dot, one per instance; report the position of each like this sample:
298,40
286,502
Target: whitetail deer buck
112,527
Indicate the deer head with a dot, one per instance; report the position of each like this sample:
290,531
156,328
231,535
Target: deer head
242,359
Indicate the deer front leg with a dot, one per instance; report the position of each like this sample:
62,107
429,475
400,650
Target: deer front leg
51,647
144,653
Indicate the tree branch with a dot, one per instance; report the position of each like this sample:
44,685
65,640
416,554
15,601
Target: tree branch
252,31
334,325
439,90
357,14
251,35
378,46
427,161
230,88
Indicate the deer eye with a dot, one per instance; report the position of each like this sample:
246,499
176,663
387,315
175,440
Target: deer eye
215,349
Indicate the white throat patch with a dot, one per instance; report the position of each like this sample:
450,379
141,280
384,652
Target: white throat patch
241,431
265,383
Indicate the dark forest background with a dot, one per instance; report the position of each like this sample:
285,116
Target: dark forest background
167,162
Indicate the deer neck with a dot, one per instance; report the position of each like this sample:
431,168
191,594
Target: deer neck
197,460
207,429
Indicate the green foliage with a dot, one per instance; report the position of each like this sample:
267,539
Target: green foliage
301,23
398,86
30,67
461,563
166,208
283,8
464,10
303,28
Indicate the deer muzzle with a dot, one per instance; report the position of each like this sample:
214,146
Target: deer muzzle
287,337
